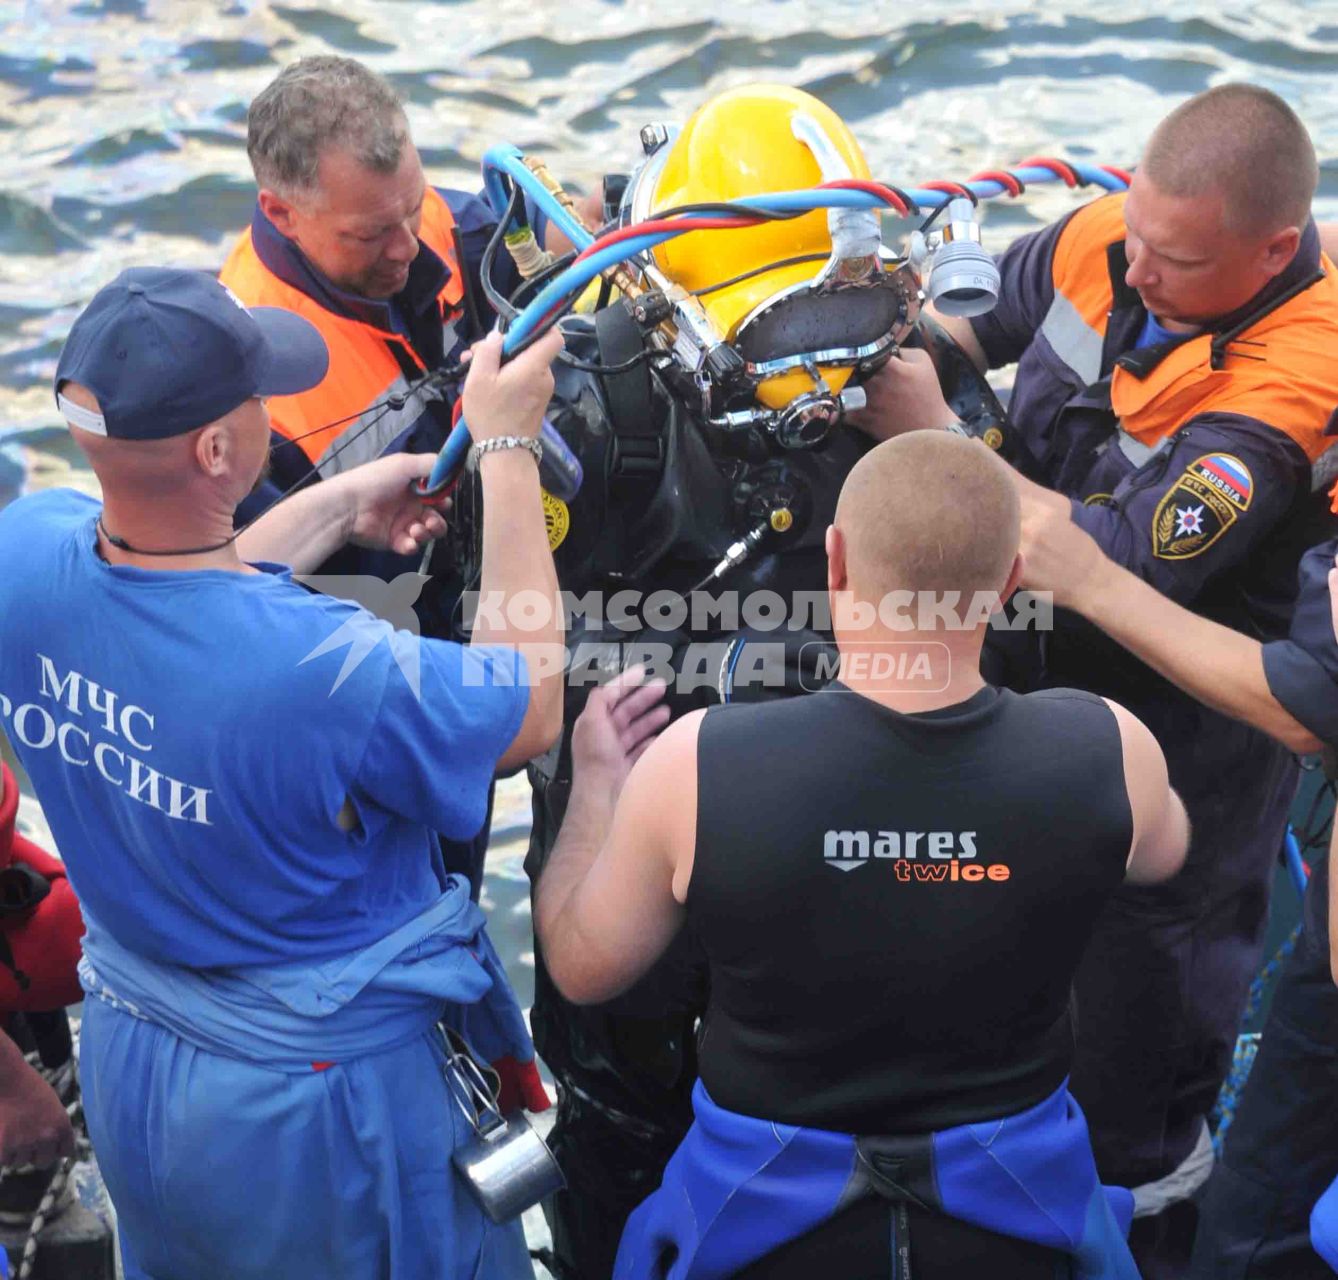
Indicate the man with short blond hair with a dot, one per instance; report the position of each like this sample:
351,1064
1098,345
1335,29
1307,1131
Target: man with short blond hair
893,880
1175,386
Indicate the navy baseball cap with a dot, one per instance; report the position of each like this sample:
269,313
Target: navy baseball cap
167,350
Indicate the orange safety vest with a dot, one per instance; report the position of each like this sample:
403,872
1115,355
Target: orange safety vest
363,367
1289,380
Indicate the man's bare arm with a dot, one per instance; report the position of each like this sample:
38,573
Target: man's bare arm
959,328
1212,663
1161,826
609,901
370,506
34,1128
510,400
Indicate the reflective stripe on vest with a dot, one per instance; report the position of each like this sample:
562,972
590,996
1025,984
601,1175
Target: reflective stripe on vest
343,420
377,428
1290,383
1072,339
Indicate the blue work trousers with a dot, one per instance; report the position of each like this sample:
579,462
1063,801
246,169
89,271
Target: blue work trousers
223,1168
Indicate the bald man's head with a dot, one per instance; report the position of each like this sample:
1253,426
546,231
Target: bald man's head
145,469
1244,143
928,511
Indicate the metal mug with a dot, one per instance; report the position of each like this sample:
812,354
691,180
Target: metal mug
506,1164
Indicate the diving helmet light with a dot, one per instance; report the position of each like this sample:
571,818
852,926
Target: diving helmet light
964,280
800,304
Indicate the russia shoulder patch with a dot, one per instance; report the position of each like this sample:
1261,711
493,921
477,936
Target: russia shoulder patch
1228,475
1201,506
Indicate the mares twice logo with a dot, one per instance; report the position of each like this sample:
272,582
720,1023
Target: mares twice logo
1201,506
950,855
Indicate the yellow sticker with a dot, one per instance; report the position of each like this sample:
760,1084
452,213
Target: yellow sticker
993,437
557,520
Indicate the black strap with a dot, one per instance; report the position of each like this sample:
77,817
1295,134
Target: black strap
7,959
439,410
22,888
901,1241
638,447
476,326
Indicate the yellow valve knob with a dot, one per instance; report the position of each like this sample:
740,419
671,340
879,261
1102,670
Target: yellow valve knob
782,519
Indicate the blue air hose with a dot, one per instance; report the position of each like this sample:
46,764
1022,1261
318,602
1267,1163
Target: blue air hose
506,160
1295,863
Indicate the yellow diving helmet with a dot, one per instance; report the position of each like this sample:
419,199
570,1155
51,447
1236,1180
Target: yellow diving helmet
803,302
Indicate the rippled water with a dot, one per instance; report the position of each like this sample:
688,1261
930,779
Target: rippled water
123,132
123,127
124,137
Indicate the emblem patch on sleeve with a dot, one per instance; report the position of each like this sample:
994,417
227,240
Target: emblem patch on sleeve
1201,506
557,519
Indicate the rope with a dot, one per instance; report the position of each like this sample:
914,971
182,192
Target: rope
65,1081
1247,1046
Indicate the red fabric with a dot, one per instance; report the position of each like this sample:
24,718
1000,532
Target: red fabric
519,1086
9,811
45,943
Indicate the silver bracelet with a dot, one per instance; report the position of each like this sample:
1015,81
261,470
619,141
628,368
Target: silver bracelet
494,443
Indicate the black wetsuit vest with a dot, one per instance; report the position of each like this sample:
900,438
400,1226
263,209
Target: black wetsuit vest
893,905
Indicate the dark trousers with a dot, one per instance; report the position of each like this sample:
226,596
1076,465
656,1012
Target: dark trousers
624,1072
1163,983
1281,1152
624,1102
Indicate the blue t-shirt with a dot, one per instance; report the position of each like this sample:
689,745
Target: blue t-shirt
1154,333
193,735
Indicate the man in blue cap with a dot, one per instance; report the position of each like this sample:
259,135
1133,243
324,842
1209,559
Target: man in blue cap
246,777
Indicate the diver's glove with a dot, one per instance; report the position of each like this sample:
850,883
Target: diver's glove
519,1087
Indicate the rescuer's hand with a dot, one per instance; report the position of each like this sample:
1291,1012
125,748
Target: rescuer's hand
34,1128
619,722
509,399
904,395
1057,555
383,512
